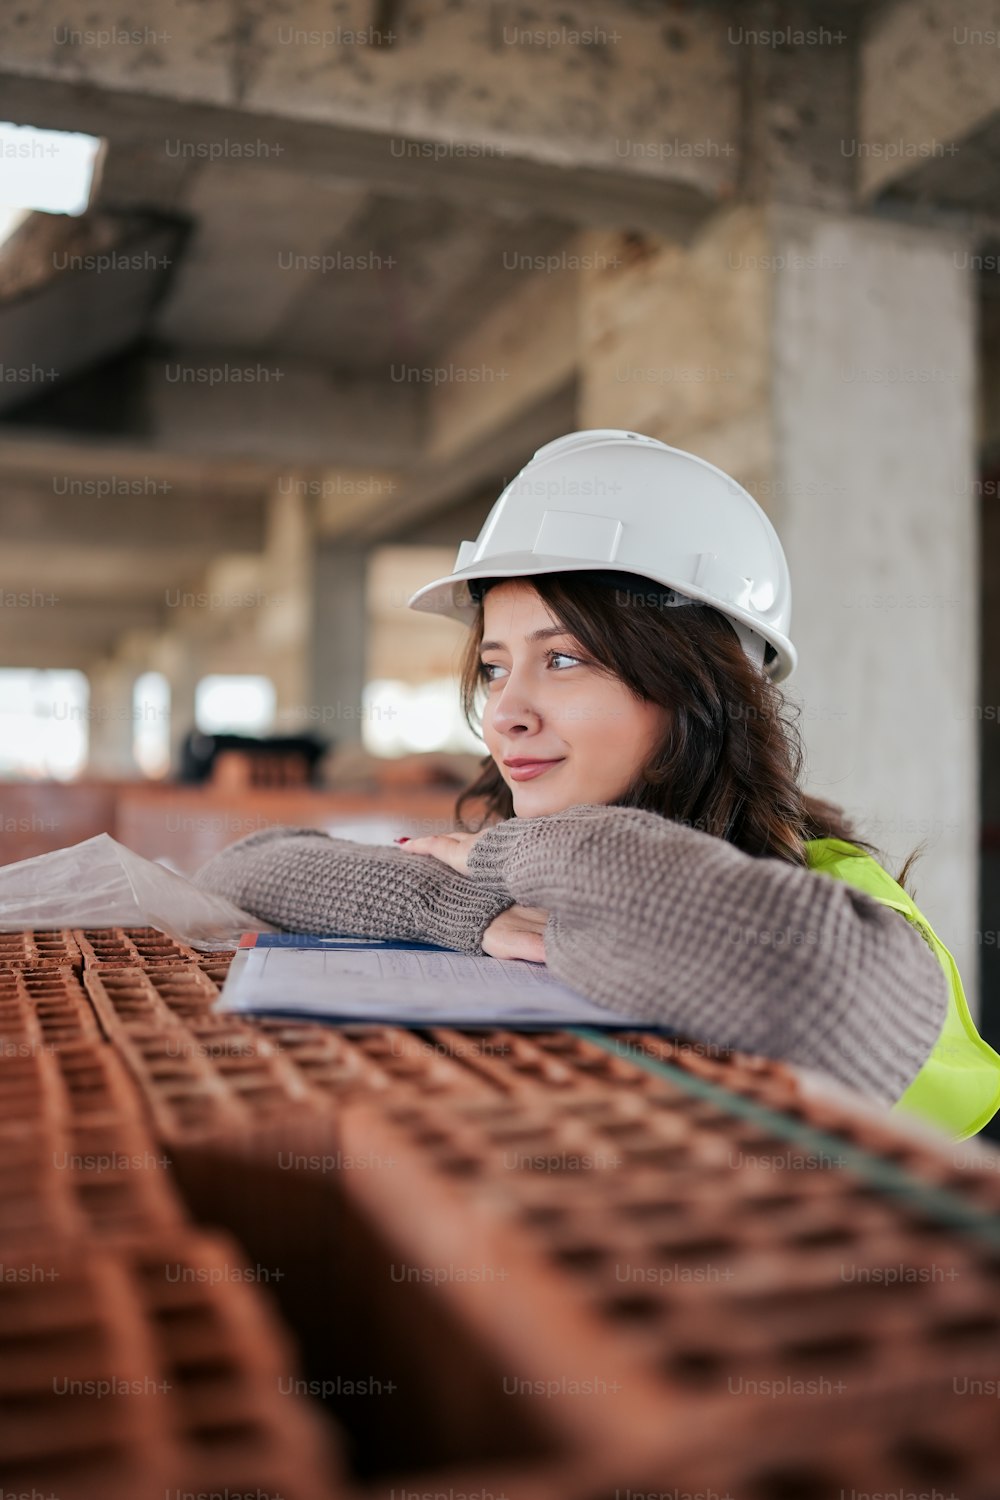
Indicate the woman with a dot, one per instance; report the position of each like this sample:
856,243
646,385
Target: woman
641,828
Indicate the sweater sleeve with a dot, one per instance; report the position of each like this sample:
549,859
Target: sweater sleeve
659,920
305,881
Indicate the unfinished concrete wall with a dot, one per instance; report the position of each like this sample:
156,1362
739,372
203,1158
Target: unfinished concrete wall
674,341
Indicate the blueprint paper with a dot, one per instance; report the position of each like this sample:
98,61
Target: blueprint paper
404,984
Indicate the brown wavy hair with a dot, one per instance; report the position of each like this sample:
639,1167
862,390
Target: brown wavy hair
731,760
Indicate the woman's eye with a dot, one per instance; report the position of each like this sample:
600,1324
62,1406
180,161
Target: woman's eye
487,667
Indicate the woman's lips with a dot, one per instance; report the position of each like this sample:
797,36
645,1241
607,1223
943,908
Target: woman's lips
535,768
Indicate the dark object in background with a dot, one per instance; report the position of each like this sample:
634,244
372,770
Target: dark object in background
277,760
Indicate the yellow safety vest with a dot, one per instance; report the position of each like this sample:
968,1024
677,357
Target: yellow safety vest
958,1087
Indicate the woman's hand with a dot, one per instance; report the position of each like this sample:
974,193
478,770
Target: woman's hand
517,933
452,848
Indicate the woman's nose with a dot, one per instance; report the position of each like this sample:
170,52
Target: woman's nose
514,705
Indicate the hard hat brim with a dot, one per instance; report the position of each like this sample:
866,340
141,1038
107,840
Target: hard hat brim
450,597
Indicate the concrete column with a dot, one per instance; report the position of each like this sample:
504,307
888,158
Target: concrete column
110,721
874,335
280,645
177,658
338,643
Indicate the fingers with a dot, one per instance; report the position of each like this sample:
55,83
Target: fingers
450,848
533,948
517,933
439,846
526,945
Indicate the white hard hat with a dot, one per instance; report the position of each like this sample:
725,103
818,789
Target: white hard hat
607,498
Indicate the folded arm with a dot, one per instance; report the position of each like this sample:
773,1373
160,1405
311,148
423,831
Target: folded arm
659,920
305,881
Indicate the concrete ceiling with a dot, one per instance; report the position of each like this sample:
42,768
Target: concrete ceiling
329,280
333,261
279,266
289,265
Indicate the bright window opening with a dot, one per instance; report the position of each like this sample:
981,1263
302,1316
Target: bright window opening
151,724
235,705
51,170
44,724
400,719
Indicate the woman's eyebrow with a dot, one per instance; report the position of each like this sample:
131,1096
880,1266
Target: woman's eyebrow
536,635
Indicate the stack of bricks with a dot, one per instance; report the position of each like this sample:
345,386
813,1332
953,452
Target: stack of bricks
136,1358
517,1264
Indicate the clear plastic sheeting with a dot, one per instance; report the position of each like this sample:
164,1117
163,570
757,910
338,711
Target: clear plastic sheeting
100,883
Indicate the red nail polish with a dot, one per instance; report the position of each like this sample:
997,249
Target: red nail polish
405,840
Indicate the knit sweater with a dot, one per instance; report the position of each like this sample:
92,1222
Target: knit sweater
647,916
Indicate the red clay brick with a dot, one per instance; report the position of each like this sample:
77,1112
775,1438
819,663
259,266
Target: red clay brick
193,1362
141,946
43,1007
652,1237
40,948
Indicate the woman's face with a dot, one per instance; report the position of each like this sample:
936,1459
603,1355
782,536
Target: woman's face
546,701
